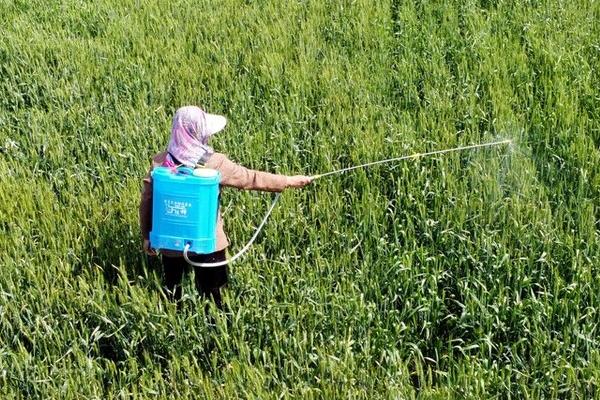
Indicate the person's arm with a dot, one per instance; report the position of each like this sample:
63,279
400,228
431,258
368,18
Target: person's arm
146,213
237,176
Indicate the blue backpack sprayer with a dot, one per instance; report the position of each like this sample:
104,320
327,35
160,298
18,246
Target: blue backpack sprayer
185,206
185,202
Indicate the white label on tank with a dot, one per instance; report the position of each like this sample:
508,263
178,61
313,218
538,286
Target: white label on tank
177,208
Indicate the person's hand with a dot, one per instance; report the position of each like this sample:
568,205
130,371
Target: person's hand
147,249
298,181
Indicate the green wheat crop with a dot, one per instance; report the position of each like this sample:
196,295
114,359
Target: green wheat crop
470,275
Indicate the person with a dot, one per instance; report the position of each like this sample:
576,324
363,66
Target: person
188,146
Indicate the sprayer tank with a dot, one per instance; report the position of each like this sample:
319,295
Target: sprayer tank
185,204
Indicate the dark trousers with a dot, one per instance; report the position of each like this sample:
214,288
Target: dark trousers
208,280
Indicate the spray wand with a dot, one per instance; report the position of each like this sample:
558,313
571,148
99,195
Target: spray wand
338,171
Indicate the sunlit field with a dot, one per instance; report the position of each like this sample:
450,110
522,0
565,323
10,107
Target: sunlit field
473,274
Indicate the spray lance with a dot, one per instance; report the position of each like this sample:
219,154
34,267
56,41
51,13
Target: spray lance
185,205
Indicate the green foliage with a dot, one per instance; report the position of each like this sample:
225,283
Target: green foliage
465,275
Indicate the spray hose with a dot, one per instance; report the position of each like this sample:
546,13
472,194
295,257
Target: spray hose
338,171
242,251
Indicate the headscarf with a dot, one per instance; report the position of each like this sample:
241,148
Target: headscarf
192,127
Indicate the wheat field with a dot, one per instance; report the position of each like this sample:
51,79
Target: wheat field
467,275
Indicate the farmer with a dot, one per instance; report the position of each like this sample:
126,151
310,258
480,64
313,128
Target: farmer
188,146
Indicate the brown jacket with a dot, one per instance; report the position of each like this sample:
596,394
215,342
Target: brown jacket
232,175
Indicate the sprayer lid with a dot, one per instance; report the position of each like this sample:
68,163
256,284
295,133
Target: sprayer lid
205,172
